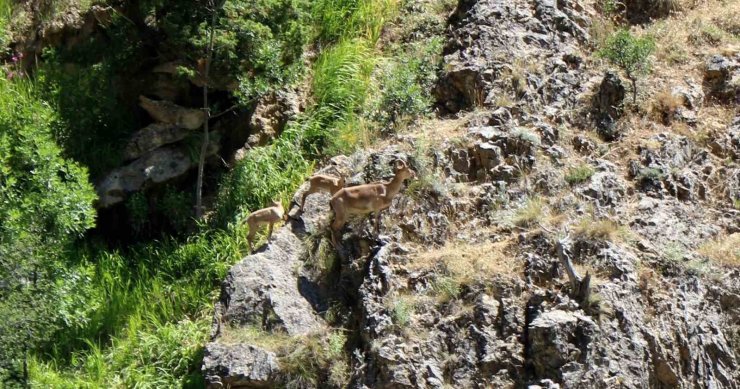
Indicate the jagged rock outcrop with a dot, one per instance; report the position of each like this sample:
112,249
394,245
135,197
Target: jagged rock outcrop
262,289
608,104
268,290
722,78
465,285
271,114
676,167
487,34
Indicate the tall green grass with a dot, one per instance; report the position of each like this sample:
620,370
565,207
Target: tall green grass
150,314
346,19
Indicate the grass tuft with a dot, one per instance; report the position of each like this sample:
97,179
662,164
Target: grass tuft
579,174
599,229
724,250
531,212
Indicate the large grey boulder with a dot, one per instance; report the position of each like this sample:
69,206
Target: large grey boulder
263,288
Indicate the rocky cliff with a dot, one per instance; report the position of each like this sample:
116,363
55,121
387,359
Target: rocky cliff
539,173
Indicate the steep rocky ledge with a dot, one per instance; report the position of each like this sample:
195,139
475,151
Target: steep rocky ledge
465,287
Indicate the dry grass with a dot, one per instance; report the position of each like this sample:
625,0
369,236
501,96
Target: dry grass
435,131
600,229
250,334
466,263
664,106
531,212
723,250
701,29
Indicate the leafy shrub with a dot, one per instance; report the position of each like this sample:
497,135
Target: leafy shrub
45,202
631,54
83,86
406,84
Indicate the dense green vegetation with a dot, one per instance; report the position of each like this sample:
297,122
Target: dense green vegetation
45,202
90,316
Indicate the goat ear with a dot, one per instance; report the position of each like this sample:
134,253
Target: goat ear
397,165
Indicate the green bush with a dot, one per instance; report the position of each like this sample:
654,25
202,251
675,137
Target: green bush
258,43
631,54
406,84
45,203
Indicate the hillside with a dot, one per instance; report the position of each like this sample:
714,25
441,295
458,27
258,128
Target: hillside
572,220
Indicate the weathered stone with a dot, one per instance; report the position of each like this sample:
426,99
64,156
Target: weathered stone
154,167
556,338
722,76
170,113
608,103
271,114
479,51
239,366
152,137
606,188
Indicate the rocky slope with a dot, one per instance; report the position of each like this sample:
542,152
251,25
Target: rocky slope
466,286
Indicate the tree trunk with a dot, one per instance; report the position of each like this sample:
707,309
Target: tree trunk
634,90
207,113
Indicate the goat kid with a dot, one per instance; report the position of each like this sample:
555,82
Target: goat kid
269,215
322,183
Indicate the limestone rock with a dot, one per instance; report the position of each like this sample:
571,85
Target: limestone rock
152,168
239,366
170,113
271,114
152,137
262,289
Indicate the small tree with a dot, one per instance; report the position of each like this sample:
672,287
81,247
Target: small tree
630,53
213,6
